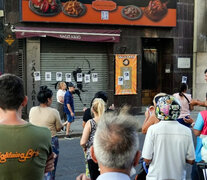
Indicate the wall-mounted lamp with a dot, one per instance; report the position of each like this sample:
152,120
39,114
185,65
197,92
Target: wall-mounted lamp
1,13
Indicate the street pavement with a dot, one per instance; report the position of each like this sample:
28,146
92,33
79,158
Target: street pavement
77,128
71,160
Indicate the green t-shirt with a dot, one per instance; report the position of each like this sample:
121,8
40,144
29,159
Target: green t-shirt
24,150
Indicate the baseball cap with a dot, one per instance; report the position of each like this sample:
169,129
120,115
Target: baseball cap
70,84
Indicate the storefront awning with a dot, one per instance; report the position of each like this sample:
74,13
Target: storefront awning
92,35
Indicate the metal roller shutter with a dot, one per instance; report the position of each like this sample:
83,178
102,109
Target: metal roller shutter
66,57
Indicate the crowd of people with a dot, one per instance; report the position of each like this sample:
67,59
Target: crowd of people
110,139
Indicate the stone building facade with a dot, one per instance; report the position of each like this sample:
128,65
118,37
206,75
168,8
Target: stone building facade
200,51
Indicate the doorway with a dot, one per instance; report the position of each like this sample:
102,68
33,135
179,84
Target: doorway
156,67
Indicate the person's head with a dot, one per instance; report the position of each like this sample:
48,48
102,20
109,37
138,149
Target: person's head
98,107
102,95
62,85
205,73
157,96
168,108
116,142
183,88
71,87
44,95
11,92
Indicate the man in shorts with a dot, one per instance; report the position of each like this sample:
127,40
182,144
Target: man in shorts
69,107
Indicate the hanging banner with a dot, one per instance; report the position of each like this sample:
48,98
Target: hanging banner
130,12
126,74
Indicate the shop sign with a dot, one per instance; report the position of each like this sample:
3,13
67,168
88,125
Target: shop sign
126,74
130,12
9,40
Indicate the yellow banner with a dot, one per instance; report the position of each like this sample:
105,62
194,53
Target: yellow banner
126,74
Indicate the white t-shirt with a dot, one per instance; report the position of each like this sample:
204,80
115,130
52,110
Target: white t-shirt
168,144
185,111
60,93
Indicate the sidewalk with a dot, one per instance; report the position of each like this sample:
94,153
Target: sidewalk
77,128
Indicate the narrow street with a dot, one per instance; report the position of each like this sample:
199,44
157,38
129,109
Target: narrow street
71,160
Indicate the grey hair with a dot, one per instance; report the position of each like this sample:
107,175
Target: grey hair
116,140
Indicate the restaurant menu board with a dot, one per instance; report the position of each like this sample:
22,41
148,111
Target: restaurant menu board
130,12
126,74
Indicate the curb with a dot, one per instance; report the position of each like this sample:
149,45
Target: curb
72,135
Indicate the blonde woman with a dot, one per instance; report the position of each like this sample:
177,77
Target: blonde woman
60,99
97,109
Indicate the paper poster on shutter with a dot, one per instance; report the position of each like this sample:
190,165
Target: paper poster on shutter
87,78
126,74
59,76
79,77
68,77
48,76
95,77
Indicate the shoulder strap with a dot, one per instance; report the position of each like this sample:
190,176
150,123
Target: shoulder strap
186,98
190,106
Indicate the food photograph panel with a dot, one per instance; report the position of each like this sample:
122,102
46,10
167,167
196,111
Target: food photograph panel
130,12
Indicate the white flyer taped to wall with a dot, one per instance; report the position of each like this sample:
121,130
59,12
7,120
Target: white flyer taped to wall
59,76
95,77
68,77
126,75
37,76
184,79
87,78
48,76
120,80
79,77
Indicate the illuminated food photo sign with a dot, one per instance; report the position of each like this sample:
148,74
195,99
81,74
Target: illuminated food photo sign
122,12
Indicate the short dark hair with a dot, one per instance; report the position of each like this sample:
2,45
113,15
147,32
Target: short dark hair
44,94
102,95
183,87
11,92
205,71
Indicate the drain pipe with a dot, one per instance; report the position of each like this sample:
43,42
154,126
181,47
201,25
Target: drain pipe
195,47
